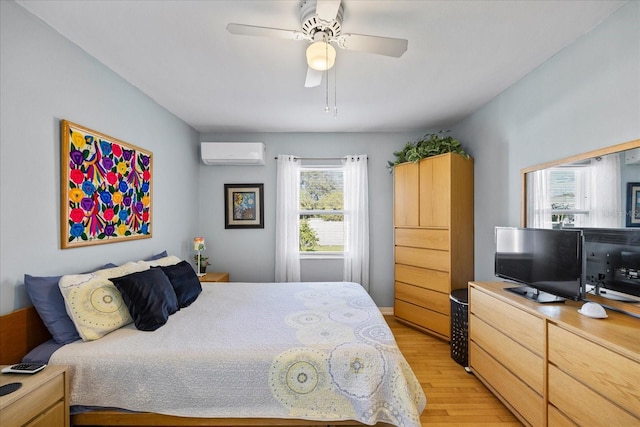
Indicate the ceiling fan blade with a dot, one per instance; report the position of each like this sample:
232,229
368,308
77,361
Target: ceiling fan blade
314,78
327,10
251,30
380,45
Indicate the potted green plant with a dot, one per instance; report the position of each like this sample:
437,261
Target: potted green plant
429,145
204,262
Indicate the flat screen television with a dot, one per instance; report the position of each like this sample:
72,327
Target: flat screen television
612,262
546,263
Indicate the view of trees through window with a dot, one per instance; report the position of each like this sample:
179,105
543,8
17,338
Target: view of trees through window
321,209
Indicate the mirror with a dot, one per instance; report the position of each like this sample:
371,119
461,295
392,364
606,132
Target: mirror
594,189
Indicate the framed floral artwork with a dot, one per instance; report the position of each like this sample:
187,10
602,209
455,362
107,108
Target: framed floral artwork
243,206
106,188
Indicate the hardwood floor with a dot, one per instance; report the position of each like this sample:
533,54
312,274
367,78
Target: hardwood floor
454,397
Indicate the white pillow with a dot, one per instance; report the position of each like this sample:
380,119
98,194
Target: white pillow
163,262
93,303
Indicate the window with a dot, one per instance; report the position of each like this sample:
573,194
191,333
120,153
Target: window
321,210
330,204
569,190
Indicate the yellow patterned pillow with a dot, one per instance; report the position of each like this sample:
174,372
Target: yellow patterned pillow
93,303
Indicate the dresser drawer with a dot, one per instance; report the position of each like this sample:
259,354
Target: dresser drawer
436,301
591,363
53,417
425,258
423,238
428,319
522,399
517,324
529,367
37,401
558,419
583,405
423,277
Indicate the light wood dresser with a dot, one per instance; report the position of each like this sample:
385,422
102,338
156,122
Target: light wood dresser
42,401
433,223
552,366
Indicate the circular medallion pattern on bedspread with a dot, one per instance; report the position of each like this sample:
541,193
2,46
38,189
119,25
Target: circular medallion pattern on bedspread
362,302
319,300
379,337
298,380
349,352
349,315
357,369
407,394
325,335
301,319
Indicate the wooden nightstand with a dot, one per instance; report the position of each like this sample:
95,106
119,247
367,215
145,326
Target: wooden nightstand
42,401
214,277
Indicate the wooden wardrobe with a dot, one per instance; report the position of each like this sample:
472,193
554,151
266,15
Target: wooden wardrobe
433,228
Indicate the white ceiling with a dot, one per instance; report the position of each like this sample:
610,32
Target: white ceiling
461,54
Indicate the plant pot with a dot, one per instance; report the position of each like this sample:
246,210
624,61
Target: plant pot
203,269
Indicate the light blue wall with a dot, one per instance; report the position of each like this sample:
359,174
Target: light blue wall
249,254
584,98
44,78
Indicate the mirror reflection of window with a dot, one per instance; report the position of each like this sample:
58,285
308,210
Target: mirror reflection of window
570,196
581,194
606,197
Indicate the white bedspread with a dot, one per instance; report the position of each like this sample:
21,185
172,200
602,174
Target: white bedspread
315,351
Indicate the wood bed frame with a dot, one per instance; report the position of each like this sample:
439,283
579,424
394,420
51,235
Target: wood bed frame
22,330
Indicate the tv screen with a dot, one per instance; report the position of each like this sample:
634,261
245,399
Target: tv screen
547,262
612,258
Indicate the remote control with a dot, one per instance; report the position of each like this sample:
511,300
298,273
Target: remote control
23,368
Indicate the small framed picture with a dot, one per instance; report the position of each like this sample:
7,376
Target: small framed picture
244,206
633,204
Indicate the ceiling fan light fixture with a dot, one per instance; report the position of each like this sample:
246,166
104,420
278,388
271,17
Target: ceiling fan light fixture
321,56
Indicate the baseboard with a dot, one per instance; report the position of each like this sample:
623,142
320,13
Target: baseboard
386,311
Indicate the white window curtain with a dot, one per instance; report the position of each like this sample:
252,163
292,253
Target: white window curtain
538,212
606,200
287,219
356,220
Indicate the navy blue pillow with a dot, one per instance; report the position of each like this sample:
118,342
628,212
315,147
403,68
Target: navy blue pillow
184,281
158,256
42,353
149,297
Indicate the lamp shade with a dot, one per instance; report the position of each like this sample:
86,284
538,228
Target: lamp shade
321,56
198,244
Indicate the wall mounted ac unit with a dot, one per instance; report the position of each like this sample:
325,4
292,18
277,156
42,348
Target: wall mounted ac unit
632,157
233,153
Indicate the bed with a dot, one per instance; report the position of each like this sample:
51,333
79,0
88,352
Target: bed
249,354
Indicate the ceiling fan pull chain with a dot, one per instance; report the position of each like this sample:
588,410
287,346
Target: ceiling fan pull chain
326,106
335,93
326,75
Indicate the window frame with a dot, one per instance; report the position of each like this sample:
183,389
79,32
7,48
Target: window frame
301,212
582,195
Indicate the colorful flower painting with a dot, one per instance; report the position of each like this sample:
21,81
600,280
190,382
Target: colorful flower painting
244,206
106,188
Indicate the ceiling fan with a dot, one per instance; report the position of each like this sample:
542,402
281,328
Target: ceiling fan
321,24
